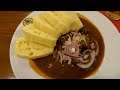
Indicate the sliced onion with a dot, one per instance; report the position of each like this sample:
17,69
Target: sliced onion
92,46
86,56
61,56
97,51
86,60
92,54
67,58
97,46
82,60
68,49
88,50
69,61
75,33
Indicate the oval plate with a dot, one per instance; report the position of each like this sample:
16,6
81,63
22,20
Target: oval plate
109,68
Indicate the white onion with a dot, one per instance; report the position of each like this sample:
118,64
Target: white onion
83,61
97,46
92,54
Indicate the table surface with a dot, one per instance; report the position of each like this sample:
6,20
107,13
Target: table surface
9,20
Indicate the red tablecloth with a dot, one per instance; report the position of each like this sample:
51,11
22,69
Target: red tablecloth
116,23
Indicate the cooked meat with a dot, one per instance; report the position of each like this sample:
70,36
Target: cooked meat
76,49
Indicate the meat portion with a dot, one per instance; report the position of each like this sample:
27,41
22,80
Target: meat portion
76,48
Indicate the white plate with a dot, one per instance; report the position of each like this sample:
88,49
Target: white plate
111,63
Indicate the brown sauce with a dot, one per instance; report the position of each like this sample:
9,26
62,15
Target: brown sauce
65,71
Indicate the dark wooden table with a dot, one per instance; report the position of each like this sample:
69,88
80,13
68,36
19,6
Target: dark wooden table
9,20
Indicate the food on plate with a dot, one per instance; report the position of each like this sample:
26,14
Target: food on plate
45,27
74,23
76,48
31,33
31,50
62,45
